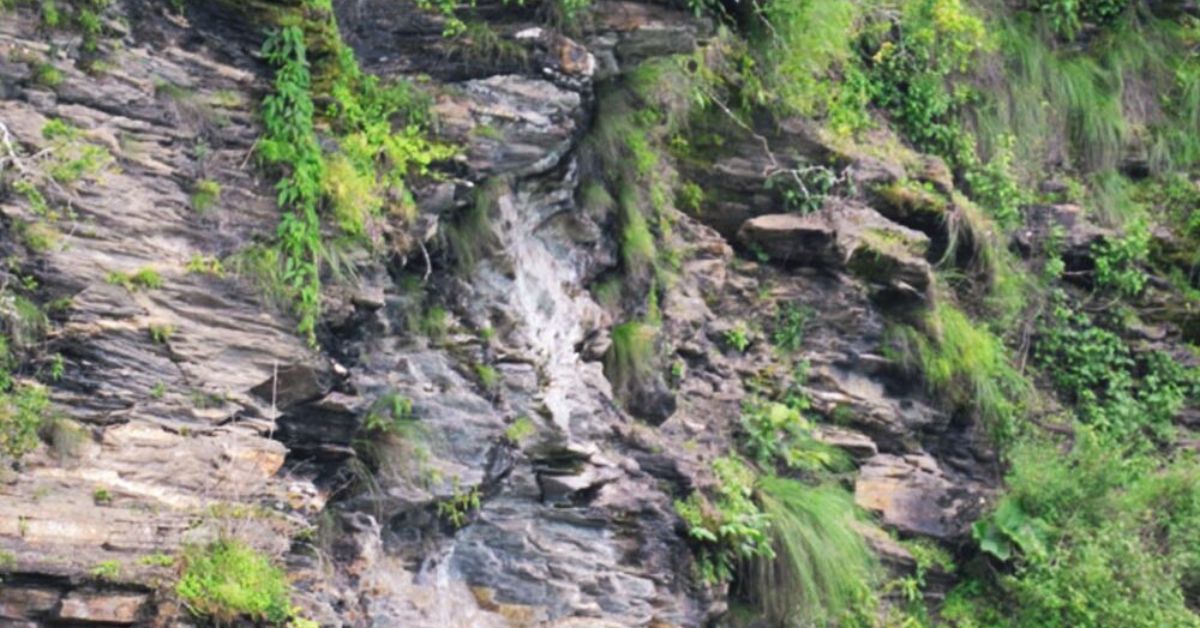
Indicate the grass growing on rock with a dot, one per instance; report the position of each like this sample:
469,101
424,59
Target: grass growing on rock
968,366
226,581
822,567
632,355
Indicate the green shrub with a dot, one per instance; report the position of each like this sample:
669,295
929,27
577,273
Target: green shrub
730,528
227,580
434,324
1117,260
994,185
290,143
59,129
108,570
738,338
1111,388
774,431
24,409
909,73
1101,536
205,265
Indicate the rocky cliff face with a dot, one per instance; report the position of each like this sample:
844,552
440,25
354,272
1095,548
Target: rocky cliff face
531,489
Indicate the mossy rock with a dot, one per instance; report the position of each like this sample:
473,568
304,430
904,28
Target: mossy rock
912,203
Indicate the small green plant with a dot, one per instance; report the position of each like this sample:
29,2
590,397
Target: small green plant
205,265
776,431
1117,260
202,400
145,278
47,75
71,158
38,236
205,194
489,378
59,129
738,338
690,197
158,390
434,324
391,413
790,325
101,496
995,187
730,528
157,559
456,509
160,333
58,367
107,570
911,588
227,580
24,409
521,429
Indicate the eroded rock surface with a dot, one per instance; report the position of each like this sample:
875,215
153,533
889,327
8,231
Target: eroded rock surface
230,418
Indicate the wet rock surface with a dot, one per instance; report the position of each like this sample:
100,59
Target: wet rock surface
232,410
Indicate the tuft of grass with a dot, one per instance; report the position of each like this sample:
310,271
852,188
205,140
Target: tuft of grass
638,247
469,235
520,430
434,324
65,437
489,377
47,75
822,565
144,278
101,496
160,334
969,367
227,580
158,559
631,356
39,236
205,265
107,570
205,194
392,413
